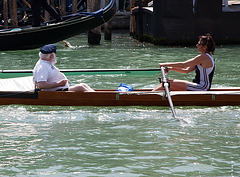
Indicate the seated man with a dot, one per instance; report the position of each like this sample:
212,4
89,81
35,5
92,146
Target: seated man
47,77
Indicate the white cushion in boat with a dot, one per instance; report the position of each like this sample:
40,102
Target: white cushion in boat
17,84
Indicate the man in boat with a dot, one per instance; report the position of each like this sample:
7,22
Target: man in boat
203,64
47,77
36,10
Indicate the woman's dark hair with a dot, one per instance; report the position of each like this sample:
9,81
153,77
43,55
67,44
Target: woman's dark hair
208,41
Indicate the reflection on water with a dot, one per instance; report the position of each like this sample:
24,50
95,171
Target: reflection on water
120,141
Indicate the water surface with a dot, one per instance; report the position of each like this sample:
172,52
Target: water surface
121,141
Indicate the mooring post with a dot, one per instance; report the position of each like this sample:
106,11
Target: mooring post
5,13
74,6
63,7
158,29
140,20
132,18
94,35
108,27
13,12
46,14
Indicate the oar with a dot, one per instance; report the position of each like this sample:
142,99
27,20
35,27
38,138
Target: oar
69,72
165,84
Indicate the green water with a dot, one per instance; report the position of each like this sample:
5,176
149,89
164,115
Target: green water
121,141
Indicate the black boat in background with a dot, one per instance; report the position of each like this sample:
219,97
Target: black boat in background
34,37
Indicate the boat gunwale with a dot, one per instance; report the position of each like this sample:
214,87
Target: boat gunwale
218,91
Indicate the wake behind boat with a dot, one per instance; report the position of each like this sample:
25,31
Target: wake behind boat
34,37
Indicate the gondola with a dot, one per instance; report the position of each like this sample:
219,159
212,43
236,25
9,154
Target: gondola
35,37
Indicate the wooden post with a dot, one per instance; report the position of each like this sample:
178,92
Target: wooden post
132,19
140,20
46,14
108,27
159,29
122,4
5,13
74,6
63,7
94,35
13,13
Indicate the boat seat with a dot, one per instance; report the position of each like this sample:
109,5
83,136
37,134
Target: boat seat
17,84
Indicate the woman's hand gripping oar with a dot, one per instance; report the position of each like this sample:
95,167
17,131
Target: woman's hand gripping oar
166,87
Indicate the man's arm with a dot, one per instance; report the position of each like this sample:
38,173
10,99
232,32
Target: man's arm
49,85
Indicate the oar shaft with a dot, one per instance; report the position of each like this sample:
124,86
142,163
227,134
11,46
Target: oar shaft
165,84
170,100
82,70
69,72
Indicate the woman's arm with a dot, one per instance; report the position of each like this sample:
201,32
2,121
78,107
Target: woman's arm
183,67
181,70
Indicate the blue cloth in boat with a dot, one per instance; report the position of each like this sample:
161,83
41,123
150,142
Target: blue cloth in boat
124,88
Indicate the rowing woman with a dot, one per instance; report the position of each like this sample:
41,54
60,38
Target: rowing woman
47,77
203,64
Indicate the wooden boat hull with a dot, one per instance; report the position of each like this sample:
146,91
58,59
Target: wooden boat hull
30,38
217,97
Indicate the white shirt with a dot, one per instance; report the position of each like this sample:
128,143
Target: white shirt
46,71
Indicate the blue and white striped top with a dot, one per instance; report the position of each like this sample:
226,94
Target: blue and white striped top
203,78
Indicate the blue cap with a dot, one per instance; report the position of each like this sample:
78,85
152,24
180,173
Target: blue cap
50,48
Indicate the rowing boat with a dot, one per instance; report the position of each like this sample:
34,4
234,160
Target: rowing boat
35,37
21,90
139,97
